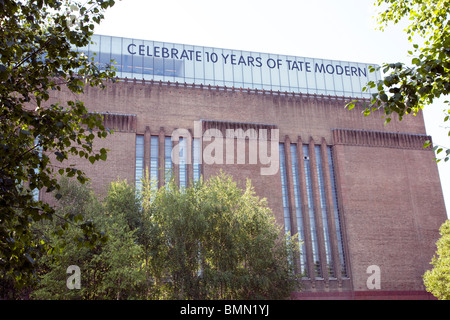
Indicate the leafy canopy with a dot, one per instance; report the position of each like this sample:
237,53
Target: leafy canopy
209,241
437,280
216,241
408,89
37,134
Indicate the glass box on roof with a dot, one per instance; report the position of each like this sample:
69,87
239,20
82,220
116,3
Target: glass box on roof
152,60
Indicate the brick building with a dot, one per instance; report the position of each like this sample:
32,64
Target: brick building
365,198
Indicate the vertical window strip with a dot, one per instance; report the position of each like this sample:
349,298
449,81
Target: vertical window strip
196,159
154,152
323,205
182,156
168,159
337,218
139,161
298,209
286,214
312,220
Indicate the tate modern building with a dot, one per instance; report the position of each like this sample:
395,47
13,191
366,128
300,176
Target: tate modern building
364,197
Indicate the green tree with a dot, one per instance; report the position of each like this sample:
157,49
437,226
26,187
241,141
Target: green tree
437,280
110,269
37,56
407,89
209,241
216,241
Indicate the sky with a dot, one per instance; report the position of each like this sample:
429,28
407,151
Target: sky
328,29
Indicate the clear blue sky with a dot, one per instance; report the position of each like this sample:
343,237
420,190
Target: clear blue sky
329,29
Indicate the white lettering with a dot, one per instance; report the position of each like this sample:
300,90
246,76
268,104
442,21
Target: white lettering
74,281
373,281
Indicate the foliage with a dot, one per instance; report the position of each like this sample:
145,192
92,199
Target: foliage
437,280
216,241
37,133
109,269
408,89
209,241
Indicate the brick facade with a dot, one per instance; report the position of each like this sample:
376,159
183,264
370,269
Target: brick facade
388,190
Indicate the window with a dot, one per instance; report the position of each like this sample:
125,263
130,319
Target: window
320,232
154,152
337,219
298,209
182,162
168,159
323,205
312,218
139,161
284,188
197,153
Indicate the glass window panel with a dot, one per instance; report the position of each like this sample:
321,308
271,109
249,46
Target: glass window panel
235,60
265,72
319,72
209,71
284,76
94,48
348,87
179,63
138,61
116,54
302,75
227,66
168,158
323,205
196,159
338,78
188,65
337,219
198,63
329,79
247,69
105,51
309,72
218,67
148,67
155,50
139,161
256,70
293,72
169,63
356,79
127,58
154,158
182,166
298,210
312,219
274,63
284,189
